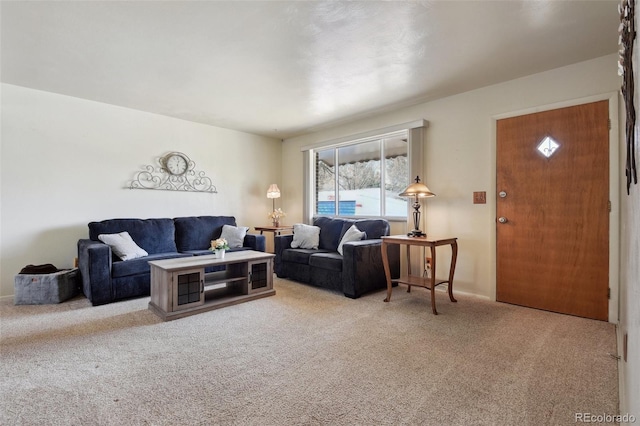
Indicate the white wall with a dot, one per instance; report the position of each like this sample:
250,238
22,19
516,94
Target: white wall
630,274
66,162
630,294
460,156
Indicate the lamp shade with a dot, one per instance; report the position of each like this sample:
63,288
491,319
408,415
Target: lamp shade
417,189
273,191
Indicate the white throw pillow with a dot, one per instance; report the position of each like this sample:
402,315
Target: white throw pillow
352,234
234,235
305,236
123,245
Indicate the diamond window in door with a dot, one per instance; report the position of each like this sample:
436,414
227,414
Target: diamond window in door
548,146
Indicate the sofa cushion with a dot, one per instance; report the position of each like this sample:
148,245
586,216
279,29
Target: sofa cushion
196,232
330,260
374,228
331,230
152,235
299,255
140,265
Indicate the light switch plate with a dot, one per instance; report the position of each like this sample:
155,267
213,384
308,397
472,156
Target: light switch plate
480,197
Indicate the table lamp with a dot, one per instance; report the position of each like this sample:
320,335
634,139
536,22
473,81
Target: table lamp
417,190
273,192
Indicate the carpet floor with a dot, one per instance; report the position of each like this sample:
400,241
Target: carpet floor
305,356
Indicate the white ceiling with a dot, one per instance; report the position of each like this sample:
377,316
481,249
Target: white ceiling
282,68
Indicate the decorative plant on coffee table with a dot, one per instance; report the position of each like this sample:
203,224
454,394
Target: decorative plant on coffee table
276,215
218,247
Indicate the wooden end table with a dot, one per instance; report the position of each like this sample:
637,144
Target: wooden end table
277,230
429,283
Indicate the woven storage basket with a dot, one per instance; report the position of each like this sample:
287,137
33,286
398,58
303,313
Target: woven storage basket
40,289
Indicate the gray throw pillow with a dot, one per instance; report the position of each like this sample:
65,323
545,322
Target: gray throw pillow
234,235
352,234
123,245
305,236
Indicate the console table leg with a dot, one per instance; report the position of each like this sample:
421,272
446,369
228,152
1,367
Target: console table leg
387,271
433,280
452,269
408,247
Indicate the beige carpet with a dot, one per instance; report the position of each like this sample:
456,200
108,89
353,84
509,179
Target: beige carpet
304,356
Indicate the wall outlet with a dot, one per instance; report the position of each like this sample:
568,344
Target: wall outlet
427,267
480,197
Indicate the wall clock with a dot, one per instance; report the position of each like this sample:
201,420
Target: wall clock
175,163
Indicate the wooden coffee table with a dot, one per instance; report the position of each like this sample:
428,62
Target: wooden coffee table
181,287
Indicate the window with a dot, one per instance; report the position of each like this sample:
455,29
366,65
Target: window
362,178
548,146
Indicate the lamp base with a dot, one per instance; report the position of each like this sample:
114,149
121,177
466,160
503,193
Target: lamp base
416,233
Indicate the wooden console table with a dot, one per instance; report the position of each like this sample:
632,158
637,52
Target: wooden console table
181,287
429,283
275,229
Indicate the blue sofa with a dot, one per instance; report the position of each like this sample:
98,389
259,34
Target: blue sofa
106,278
358,270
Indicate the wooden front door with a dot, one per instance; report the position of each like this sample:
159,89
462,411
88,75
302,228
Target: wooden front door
552,204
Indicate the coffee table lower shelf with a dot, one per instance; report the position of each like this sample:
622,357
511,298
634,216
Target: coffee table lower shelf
209,305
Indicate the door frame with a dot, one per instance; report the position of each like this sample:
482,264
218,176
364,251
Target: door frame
614,190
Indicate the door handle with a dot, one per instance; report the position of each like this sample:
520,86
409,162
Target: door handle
503,219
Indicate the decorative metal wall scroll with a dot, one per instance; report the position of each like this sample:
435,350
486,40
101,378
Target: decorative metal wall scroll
174,172
625,69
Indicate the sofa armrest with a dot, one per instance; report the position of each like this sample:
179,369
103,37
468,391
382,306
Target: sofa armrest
256,242
362,267
280,244
94,263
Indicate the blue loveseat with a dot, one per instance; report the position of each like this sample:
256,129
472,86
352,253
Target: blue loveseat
358,270
106,278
